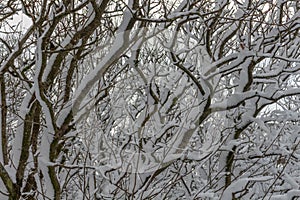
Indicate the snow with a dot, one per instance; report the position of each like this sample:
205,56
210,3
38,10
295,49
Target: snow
239,13
173,137
63,114
191,13
291,181
119,45
233,101
49,66
91,14
230,145
244,76
289,195
1,153
240,184
17,142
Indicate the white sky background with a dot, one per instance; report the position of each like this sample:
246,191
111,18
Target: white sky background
25,20
19,18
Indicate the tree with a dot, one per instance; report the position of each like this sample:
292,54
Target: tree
150,99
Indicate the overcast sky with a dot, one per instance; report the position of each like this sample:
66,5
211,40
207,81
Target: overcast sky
21,19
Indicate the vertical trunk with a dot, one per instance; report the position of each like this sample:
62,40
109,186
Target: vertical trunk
226,161
3,153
